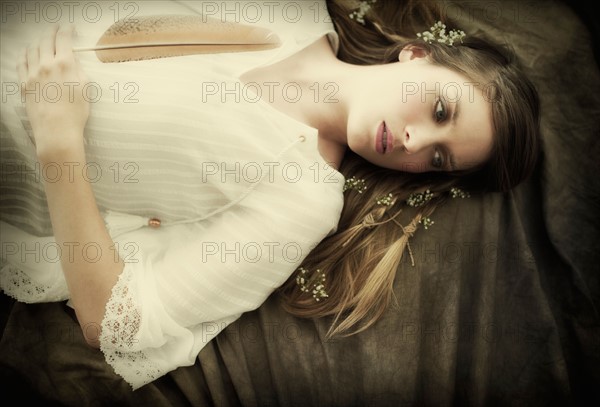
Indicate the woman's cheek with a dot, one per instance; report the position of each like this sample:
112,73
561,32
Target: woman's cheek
413,105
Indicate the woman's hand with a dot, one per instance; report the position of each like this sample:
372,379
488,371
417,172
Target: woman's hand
52,84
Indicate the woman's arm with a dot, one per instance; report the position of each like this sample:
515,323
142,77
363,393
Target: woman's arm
89,262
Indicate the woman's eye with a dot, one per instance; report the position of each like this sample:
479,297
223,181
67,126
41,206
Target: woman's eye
440,111
437,161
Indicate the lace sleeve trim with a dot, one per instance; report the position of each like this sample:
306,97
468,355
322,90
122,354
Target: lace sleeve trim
20,286
120,328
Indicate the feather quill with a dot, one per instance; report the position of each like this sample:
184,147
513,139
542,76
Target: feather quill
161,36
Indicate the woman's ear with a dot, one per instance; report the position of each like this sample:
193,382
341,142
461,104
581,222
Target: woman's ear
411,52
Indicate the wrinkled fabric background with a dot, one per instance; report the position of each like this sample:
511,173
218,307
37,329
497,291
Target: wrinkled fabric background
500,309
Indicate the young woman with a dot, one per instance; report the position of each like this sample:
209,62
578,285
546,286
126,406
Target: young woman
237,166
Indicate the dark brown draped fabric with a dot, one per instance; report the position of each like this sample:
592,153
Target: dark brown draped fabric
500,309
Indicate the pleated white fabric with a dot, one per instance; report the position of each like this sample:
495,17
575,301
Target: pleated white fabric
240,188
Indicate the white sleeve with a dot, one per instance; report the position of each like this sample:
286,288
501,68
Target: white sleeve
183,284
31,269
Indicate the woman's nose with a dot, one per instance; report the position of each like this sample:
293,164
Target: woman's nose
417,139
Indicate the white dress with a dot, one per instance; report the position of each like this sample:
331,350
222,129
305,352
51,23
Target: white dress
240,188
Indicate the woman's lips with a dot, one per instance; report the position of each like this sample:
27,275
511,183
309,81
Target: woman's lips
384,143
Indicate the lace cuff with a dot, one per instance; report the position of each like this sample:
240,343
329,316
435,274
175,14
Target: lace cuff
139,338
119,338
20,286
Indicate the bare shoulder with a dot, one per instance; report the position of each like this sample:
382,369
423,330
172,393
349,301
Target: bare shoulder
160,36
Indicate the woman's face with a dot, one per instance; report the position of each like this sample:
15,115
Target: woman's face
419,117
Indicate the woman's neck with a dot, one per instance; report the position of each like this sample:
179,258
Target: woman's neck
314,77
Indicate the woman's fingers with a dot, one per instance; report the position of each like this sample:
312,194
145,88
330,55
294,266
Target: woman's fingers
47,46
40,56
33,56
64,41
57,43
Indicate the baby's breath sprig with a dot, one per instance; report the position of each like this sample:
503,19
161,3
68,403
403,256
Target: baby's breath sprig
438,33
363,8
417,199
317,286
386,200
459,193
357,184
426,222
301,279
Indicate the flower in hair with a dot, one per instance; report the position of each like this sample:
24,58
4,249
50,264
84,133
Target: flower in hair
357,184
387,200
458,193
426,222
317,287
438,34
419,198
363,8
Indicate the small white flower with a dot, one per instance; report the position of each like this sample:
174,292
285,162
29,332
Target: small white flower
459,193
438,33
417,199
357,184
426,222
363,8
387,200
317,288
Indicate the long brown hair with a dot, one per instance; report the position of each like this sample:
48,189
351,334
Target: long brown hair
360,260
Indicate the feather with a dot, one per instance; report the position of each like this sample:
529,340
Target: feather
161,36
